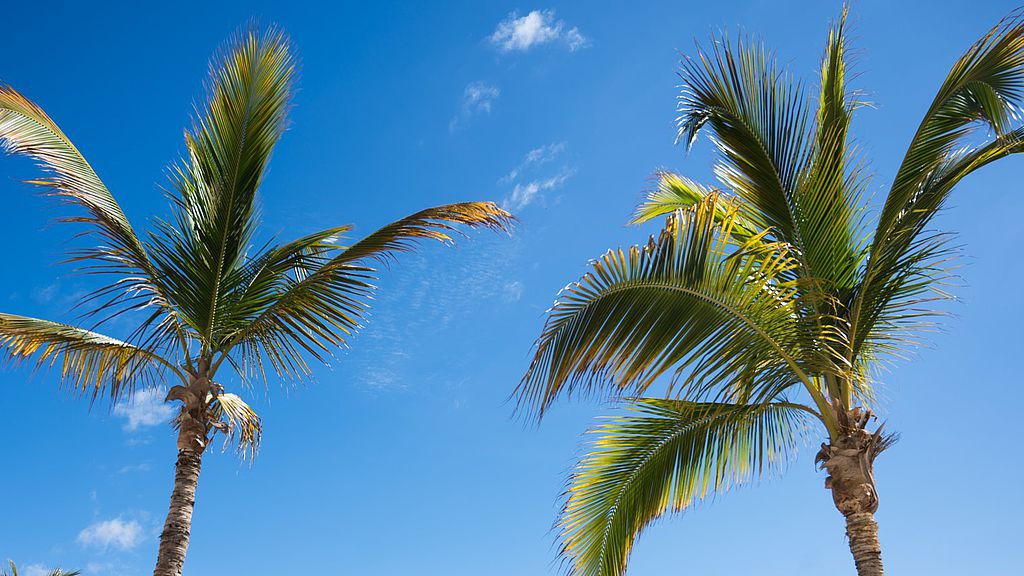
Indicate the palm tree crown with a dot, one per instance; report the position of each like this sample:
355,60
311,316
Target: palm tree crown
764,305
202,292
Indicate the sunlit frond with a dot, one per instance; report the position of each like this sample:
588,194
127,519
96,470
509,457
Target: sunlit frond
239,423
26,129
675,192
692,303
760,125
202,252
89,363
828,200
984,88
663,456
437,223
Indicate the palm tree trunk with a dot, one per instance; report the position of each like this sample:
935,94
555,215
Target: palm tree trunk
850,461
174,538
862,531
193,435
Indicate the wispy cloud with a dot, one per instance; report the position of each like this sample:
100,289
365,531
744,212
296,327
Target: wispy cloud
525,193
114,533
477,98
513,291
533,159
34,570
519,34
144,408
527,180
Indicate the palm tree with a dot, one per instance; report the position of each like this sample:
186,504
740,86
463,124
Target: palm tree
54,572
202,296
766,305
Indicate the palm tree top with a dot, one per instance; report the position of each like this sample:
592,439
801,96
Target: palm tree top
204,292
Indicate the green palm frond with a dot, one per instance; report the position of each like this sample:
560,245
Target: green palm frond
663,457
760,126
26,129
985,88
827,202
319,309
203,251
89,362
239,423
675,192
693,303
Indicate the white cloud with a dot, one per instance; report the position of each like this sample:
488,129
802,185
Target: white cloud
115,533
145,408
534,158
517,33
524,194
530,182
513,291
477,99
34,570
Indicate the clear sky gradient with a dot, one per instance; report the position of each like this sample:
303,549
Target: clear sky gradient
404,458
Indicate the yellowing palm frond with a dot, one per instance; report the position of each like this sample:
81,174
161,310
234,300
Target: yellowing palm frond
239,423
89,362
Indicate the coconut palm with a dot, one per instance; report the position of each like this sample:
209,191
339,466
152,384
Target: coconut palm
54,572
206,301
765,305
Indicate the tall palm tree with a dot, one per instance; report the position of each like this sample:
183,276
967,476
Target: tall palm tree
202,296
764,306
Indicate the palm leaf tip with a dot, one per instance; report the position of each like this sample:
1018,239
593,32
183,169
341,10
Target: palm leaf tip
439,223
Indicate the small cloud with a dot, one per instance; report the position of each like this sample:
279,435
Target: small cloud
115,533
513,291
524,194
46,294
144,467
534,158
144,408
517,33
34,570
477,99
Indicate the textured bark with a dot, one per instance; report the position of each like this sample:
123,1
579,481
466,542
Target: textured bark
862,531
850,461
194,428
177,527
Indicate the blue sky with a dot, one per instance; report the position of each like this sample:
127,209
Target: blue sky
403,457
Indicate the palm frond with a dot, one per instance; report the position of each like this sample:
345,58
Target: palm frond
26,129
827,202
437,223
89,362
318,310
675,192
692,303
202,253
663,457
760,126
984,88
239,423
